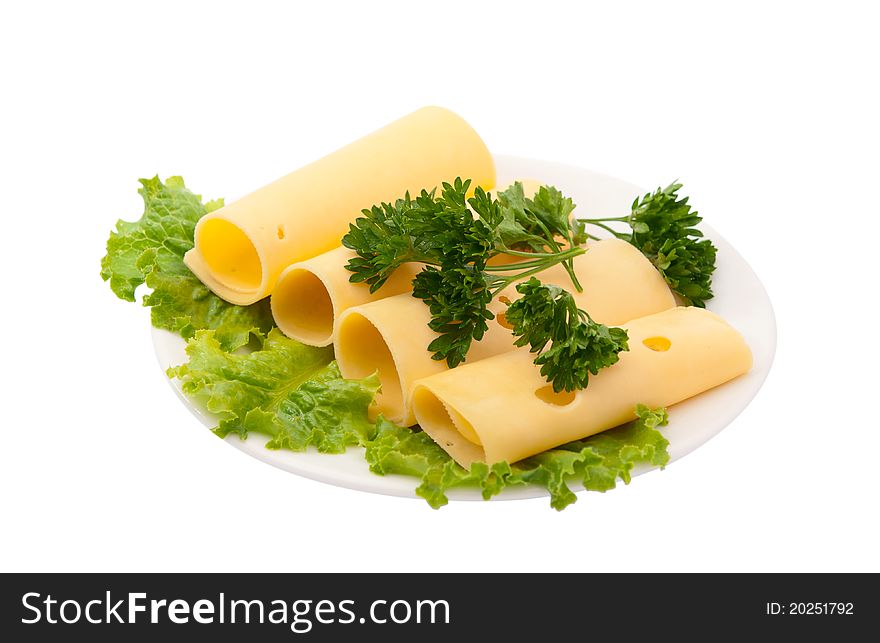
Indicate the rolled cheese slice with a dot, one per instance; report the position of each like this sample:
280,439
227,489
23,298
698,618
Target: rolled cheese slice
311,295
241,249
503,409
391,336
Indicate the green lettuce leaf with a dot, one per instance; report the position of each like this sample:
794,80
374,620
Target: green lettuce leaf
165,231
597,461
412,452
150,251
291,392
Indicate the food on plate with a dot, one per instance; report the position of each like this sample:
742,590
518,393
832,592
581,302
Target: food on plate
531,347
391,336
673,355
310,295
242,248
461,242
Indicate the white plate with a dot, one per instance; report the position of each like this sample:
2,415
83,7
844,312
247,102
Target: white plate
739,298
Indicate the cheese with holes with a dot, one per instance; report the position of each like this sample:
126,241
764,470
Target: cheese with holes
310,295
503,409
391,336
242,248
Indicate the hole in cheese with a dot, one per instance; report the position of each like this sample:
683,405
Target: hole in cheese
360,352
442,419
281,232
501,318
302,308
230,255
548,395
658,344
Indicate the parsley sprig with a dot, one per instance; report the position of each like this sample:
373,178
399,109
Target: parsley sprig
456,237
437,230
579,347
663,227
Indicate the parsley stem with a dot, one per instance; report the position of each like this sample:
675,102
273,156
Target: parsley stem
569,265
548,236
504,282
507,267
539,259
504,250
619,235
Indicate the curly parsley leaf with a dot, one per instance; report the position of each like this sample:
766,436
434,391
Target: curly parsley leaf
383,237
458,299
553,210
579,347
518,228
663,227
455,237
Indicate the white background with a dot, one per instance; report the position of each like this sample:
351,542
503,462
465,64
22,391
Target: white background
768,111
